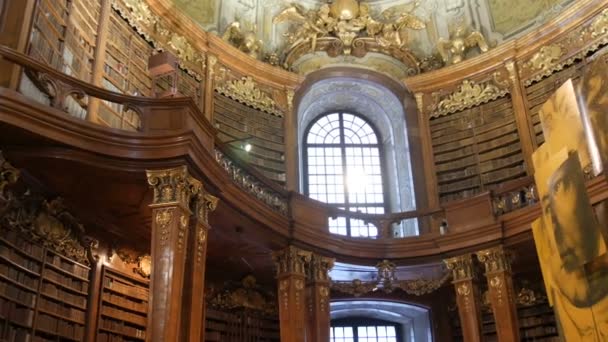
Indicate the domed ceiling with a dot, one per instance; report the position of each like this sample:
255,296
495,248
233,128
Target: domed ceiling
396,37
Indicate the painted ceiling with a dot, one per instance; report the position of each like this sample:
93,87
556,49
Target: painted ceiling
496,20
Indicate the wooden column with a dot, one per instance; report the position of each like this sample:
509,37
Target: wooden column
210,87
15,26
317,297
522,117
291,144
193,307
173,189
290,263
467,296
500,289
100,58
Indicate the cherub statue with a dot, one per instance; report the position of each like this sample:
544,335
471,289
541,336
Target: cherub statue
461,39
245,41
400,19
311,24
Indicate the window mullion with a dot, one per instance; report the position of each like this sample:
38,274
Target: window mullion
344,171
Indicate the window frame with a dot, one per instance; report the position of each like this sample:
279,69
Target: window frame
356,322
342,146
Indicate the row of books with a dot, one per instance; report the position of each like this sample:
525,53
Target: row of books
125,302
16,294
14,257
126,289
16,313
103,336
136,319
65,311
56,292
10,333
539,331
22,244
19,276
68,266
59,327
122,328
72,283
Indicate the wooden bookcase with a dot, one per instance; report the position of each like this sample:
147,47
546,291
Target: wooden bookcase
123,307
239,325
125,71
476,148
43,294
236,121
537,323
64,36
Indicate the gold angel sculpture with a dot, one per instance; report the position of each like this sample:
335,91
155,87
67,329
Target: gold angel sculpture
461,39
244,40
348,20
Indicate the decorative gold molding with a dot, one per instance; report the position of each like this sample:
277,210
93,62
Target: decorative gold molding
247,91
173,186
546,58
468,94
319,267
246,295
8,174
144,266
355,287
163,218
419,287
291,260
461,266
495,259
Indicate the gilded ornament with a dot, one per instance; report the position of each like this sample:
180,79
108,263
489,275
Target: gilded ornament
8,175
599,26
173,186
291,260
468,94
244,40
461,266
246,91
462,38
495,282
246,295
348,25
319,267
464,289
422,286
546,58
495,259
144,266
163,218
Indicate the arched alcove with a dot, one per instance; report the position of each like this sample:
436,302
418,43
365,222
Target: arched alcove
382,101
412,321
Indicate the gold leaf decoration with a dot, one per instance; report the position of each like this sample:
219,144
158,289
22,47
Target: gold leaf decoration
469,94
246,91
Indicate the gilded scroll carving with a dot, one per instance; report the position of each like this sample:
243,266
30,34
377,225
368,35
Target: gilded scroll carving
246,90
495,259
245,295
468,94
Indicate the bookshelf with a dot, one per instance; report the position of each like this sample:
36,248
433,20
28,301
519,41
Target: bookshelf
125,71
537,323
64,36
43,294
123,307
476,148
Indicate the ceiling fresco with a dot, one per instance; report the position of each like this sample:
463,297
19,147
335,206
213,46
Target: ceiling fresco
394,36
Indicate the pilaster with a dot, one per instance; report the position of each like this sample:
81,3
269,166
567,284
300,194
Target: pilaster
500,289
173,190
210,87
291,275
467,296
317,297
193,307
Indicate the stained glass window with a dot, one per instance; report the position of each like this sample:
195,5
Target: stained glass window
344,168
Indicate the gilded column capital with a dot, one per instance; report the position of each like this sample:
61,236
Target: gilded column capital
204,204
495,259
8,174
173,186
291,260
461,266
319,267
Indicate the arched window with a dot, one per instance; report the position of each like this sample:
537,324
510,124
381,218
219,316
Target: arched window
343,167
